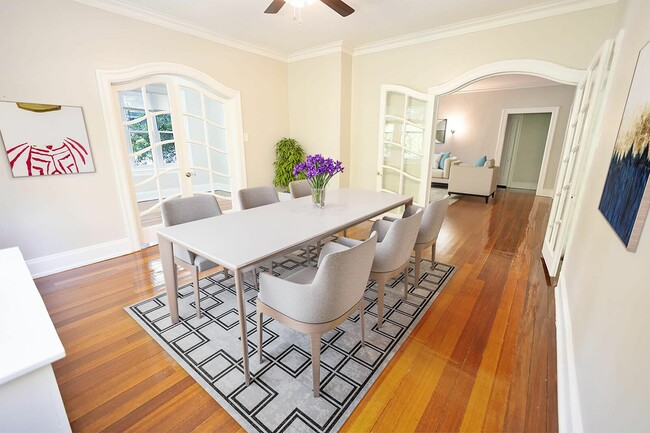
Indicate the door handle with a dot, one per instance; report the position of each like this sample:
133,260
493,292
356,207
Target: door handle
379,174
190,173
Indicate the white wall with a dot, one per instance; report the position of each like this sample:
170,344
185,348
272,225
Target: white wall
608,289
476,117
569,40
50,52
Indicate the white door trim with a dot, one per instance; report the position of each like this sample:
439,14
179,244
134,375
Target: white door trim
106,79
547,146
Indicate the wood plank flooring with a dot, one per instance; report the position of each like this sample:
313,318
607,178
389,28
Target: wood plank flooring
481,359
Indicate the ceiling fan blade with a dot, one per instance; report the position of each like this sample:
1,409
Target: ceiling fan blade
341,8
274,7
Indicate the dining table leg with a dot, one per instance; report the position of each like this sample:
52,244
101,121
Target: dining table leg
239,288
169,273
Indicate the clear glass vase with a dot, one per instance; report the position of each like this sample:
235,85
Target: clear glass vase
318,197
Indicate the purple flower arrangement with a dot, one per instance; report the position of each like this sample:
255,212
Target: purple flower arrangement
319,170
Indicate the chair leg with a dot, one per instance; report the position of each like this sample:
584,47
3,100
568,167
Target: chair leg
406,281
197,294
433,256
226,274
260,331
381,286
363,323
315,362
418,259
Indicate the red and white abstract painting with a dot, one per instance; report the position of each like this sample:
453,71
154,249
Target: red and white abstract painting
43,140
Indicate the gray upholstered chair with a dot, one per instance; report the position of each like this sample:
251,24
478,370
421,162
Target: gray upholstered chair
300,188
257,196
432,219
392,254
315,300
183,210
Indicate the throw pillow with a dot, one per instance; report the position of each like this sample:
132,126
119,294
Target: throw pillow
481,161
443,158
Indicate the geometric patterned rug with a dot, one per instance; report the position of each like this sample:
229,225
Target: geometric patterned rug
280,396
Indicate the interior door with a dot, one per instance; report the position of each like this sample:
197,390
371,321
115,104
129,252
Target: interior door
528,150
584,123
405,142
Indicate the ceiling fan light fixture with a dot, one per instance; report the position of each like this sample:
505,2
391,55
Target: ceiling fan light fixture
300,3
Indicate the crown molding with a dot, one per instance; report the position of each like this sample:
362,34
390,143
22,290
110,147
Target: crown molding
162,20
513,87
480,24
321,50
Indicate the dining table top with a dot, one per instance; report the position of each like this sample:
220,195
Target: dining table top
238,240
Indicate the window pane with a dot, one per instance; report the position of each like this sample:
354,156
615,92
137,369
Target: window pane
415,111
194,129
217,138
413,139
390,180
199,155
215,111
138,126
201,181
131,114
219,162
169,153
393,131
139,141
221,184
411,187
191,102
395,103
157,97
132,98
393,156
164,136
145,159
412,164
164,122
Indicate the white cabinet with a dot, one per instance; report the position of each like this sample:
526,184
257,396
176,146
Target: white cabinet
29,396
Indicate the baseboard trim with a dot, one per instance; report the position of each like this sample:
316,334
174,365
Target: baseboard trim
568,398
59,262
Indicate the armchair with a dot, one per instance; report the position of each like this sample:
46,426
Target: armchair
315,300
477,181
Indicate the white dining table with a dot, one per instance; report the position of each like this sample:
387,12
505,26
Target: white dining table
240,241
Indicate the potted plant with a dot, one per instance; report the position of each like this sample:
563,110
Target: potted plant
288,153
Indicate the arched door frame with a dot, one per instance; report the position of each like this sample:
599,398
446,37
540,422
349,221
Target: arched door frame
106,79
538,68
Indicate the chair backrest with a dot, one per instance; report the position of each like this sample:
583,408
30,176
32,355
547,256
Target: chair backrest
395,249
341,280
185,209
257,196
300,188
432,219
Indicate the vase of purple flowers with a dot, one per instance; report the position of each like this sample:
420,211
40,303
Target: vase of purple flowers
319,171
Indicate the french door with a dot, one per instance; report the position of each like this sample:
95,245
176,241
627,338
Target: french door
405,142
584,122
178,141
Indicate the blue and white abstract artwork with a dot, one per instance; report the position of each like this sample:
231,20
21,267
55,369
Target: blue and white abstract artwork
626,196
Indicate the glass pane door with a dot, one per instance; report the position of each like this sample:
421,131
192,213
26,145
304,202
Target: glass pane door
206,135
151,152
405,143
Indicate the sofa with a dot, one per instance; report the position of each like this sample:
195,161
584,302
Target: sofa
441,175
467,179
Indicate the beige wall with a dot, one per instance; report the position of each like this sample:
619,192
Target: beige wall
319,107
50,52
476,117
607,287
569,40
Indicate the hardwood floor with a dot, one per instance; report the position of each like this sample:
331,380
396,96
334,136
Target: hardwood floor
481,359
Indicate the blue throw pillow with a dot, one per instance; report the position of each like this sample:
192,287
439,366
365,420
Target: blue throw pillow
444,157
481,161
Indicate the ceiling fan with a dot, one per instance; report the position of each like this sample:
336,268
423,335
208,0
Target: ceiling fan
337,5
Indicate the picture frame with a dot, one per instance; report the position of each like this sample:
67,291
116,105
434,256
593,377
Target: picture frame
626,194
441,131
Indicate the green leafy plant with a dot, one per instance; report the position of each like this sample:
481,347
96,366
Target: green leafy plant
288,153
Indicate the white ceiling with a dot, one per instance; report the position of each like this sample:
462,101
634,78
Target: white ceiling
244,21
508,81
